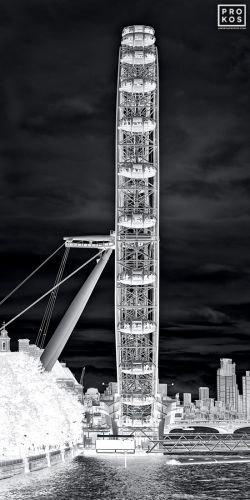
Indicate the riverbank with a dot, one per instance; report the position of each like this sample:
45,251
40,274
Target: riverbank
25,465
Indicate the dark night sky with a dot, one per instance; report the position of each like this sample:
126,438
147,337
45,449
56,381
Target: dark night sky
57,124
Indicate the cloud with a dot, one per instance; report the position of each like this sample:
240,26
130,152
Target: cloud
213,316
199,315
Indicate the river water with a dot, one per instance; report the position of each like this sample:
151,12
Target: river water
144,478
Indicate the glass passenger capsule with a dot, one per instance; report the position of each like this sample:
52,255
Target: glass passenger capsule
138,85
136,277
137,221
138,369
137,124
138,57
137,327
137,28
138,40
137,170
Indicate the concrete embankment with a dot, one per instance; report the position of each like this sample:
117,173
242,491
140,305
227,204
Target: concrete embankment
12,467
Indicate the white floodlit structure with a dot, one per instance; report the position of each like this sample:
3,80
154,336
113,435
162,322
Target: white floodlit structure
137,229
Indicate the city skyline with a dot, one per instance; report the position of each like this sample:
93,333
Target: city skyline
230,404
58,95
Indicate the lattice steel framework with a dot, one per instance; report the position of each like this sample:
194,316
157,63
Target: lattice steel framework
137,228
199,443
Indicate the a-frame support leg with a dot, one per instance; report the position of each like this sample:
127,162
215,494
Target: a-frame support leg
72,315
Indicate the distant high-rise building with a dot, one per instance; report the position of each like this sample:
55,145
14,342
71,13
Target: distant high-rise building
227,390
163,390
204,393
240,406
187,398
211,404
204,400
246,394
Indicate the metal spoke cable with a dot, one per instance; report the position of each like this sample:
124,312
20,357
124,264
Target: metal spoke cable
51,290
43,321
53,297
50,305
30,275
43,330
51,302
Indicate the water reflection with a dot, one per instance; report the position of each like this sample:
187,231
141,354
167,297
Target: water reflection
145,478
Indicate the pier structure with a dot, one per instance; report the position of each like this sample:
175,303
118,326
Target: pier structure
201,443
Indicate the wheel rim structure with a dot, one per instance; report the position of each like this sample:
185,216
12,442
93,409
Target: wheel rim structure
137,229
